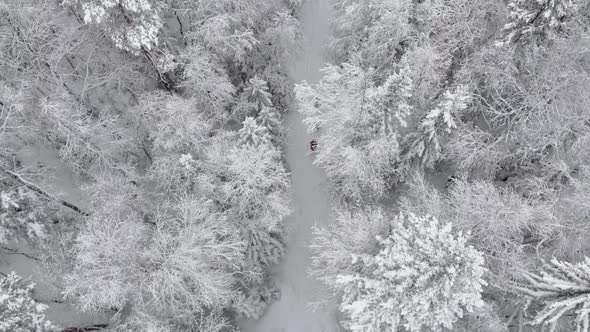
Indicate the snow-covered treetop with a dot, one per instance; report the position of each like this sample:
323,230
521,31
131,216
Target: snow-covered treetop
19,312
390,102
257,184
536,17
372,28
133,24
253,133
257,91
424,275
441,119
451,103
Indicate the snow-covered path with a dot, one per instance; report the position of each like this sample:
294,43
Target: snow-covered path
292,313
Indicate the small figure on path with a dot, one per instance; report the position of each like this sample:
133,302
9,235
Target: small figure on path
313,145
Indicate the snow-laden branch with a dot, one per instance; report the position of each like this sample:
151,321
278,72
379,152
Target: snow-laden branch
17,177
560,288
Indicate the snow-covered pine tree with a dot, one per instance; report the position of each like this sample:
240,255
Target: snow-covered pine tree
535,18
253,194
560,288
264,248
425,144
252,133
269,118
424,275
254,97
257,92
252,303
19,312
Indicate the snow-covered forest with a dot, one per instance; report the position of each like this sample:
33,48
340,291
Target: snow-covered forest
156,171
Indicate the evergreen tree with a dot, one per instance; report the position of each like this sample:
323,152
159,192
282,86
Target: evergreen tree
252,133
423,275
257,92
535,19
425,145
558,290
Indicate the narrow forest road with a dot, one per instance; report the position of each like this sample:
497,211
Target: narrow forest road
292,313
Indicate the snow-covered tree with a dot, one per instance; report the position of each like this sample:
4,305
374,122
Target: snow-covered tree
254,97
257,184
205,79
425,145
23,215
390,102
360,122
19,312
224,27
264,247
132,24
500,221
535,18
253,302
252,133
353,233
257,92
460,24
248,186
281,37
173,123
269,118
424,275
375,29
174,262
87,142
140,153
560,289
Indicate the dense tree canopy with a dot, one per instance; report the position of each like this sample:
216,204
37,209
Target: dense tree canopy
142,160
165,119
490,95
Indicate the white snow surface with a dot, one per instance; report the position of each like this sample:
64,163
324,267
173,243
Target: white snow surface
294,311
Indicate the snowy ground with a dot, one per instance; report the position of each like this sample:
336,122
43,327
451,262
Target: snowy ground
292,313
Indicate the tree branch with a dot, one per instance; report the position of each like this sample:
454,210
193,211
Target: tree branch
96,327
42,192
162,76
14,252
